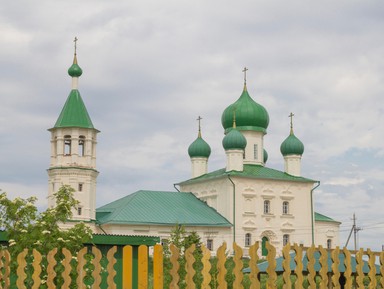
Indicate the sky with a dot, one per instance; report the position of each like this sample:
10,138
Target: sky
150,68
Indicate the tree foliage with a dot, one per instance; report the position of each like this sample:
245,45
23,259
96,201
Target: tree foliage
26,227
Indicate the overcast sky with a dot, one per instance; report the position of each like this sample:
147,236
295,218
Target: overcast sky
150,68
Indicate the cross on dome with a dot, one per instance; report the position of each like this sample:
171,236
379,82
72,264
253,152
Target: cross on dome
199,119
291,115
245,75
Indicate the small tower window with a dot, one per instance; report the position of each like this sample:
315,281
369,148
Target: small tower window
80,187
79,211
255,151
329,244
248,240
285,208
81,146
267,207
285,239
67,145
210,244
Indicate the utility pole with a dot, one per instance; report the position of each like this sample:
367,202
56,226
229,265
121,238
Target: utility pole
354,229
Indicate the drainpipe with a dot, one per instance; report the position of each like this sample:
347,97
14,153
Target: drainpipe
234,206
312,213
101,228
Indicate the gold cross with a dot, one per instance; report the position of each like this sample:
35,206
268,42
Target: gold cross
245,74
291,115
199,119
75,40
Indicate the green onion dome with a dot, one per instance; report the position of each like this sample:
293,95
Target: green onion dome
249,114
265,156
292,145
199,148
75,70
234,140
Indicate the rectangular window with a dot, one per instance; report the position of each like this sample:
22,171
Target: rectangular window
255,151
81,146
210,244
79,211
80,187
67,145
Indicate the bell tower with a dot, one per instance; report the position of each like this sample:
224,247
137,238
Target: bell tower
73,151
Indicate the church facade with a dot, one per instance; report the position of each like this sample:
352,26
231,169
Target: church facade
243,202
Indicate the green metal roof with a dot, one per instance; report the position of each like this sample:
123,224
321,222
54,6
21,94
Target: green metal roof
100,239
74,113
322,218
160,208
249,171
291,146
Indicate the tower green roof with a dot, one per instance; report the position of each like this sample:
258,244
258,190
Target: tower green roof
292,146
74,113
199,148
234,140
249,114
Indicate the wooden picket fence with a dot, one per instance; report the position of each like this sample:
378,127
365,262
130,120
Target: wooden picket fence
316,279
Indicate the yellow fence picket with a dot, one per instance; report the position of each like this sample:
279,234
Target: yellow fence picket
67,268
175,255
335,267
372,269
255,282
221,270
51,274
348,268
206,268
21,275
158,267
271,269
359,269
311,267
299,266
127,267
110,267
382,269
97,268
143,267
287,266
238,269
323,260
36,269
80,268
190,272
5,269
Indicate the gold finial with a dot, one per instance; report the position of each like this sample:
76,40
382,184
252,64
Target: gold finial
234,118
199,119
291,115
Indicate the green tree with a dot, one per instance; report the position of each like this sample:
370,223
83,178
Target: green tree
26,227
183,240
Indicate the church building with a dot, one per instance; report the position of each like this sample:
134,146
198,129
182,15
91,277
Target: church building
243,202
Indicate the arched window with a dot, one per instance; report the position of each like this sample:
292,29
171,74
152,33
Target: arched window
264,251
81,146
285,239
329,244
248,240
67,145
267,207
285,208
